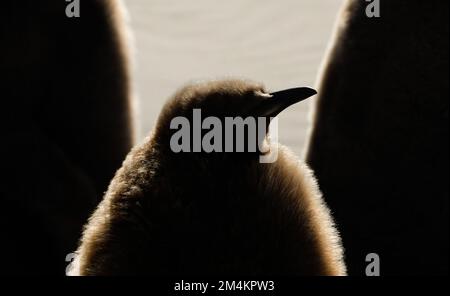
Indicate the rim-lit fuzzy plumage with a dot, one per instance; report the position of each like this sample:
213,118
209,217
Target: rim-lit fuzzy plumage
219,213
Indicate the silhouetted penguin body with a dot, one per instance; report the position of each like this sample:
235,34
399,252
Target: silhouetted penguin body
379,146
169,213
65,123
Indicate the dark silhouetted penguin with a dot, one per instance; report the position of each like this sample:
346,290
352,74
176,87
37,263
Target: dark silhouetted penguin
379,147
65,124
168,213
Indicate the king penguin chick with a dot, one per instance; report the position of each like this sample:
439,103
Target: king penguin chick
380,143
168,213
66,123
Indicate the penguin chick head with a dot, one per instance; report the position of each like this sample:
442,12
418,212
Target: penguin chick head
222,100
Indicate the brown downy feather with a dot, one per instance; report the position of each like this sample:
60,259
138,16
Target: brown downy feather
218,213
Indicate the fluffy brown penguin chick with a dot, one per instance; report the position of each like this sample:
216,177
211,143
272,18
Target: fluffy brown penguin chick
66,124
169,213
380,142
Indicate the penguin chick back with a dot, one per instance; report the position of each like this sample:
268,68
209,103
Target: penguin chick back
217,213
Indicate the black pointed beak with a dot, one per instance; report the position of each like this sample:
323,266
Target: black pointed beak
278,101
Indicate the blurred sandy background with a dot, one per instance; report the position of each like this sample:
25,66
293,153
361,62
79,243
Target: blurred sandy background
280,43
